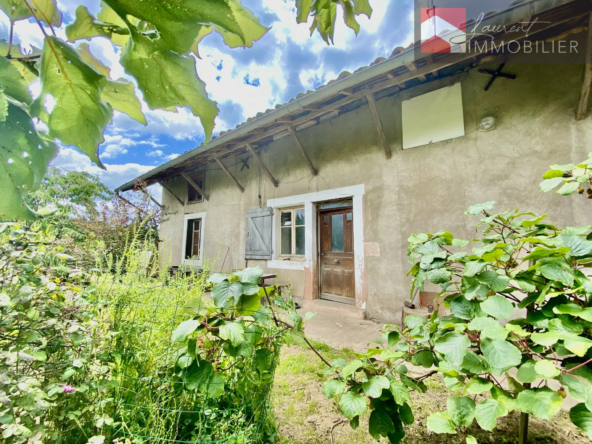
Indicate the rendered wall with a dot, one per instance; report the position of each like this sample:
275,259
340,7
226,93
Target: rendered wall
424,189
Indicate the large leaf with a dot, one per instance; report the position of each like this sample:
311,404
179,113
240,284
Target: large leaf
487,413
79,116
582,417
352,405
548,184
333,388
374,386
546,369
250,275
225,292
178,23
501,355
13,83
556,273
380,424
86,26
478,385
184,329
167,79
577,245
248,305
461,410
45,10
121,95
233,332
543,403
252,30
479,208
440,422
498,307
200,375
24,158
400,392
453,346
489,328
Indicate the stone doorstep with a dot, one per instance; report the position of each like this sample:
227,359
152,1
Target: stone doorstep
322,306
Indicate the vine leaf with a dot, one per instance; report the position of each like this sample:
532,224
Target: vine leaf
79,116
86,26
487,413
543,403
184,329
461,410
441,423
3,105
233,332
24,158
501,355
380,424
582,417
333,388
374,386
13,83
121,95
352,405
498,307
46,10
84,51
453,346
400,392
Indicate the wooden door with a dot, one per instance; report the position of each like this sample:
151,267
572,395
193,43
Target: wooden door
336,242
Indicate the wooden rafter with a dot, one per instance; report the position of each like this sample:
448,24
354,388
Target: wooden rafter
585,94
313,170
413,67
238,185
378,123
128,202
263,166
143,190
171,192
194,185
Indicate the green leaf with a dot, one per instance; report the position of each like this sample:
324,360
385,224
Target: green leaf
495,281
233,332
552,174
471,440
501,355
248,23
459,243
406,414
224,292
575,310
167,79
556,273
543,403
578,345
24,159
399,391
121,95
526,373
461,410
545,339
498,307
546,369
250,275
3,106
13,83
86,26
363,7
380,424
453,346
568,188
349,16
184,329
374,386
440,422
394,337
582,418
489,327
333,388
352,405
423,358
352,368
577,245
462,308
487,413
439,276
474,267
45,10
248,305
517,330
200,375
79,116
479,208
478,385
548,184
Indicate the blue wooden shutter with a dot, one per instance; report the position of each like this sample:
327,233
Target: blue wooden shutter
259,226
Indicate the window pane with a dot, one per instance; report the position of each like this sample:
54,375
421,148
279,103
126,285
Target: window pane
286,219
349,216
286,247
337,233
300,217
340,204
300,240
325,218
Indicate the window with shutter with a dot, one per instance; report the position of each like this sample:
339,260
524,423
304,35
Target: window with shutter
259,228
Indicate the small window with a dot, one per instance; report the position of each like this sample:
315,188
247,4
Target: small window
193,240
292,232
194,196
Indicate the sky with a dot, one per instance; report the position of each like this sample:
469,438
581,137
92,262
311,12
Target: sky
243,81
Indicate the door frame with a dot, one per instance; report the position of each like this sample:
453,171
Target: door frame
310,264
320,213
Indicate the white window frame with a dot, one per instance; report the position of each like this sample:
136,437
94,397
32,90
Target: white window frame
193,216
293,227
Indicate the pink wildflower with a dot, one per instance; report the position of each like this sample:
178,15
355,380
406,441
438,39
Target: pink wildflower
68,389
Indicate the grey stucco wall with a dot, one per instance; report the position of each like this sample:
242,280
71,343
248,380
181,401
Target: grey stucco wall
423,189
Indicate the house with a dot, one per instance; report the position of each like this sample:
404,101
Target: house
325,190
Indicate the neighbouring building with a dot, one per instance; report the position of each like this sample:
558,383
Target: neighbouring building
325,190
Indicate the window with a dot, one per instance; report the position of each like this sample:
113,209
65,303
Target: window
292,232
193,239
193,196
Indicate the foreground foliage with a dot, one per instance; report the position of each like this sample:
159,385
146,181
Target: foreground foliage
158,42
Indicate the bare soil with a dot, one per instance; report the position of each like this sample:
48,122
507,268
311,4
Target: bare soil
304,415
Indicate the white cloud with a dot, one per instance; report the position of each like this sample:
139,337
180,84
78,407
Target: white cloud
155,153
116,144
172,156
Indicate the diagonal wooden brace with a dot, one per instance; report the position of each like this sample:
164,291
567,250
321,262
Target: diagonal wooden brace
194,185
238,185
263,166
313,170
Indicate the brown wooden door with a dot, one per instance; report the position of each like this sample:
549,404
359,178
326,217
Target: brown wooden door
337,255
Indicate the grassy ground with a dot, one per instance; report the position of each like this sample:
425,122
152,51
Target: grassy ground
304,415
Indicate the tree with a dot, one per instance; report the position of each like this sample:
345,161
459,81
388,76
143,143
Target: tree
158,41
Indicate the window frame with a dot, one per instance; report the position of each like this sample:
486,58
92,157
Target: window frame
293,227
188,217
196,177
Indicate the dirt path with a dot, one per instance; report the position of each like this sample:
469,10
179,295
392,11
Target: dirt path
304,415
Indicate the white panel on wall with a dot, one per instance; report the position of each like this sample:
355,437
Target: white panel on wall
433,117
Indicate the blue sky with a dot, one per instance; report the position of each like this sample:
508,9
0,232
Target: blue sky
285,62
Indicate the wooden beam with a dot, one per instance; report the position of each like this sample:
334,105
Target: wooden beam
238,185
172,193
263,166
585,94
143,190
194,185
129,203
313,170
376,117
413,67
